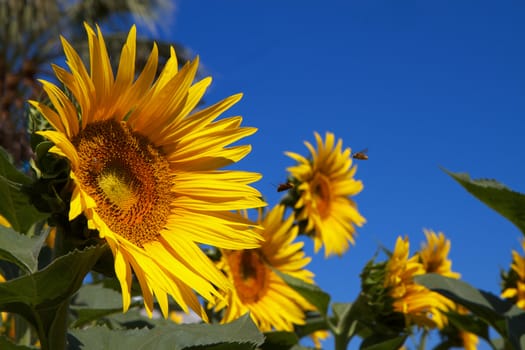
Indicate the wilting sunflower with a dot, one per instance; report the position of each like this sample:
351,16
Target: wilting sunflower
146,172
420,305
326,181
515,289
257,288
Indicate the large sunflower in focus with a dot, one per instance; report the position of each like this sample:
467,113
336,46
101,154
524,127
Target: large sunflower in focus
257,288
326,181
146,172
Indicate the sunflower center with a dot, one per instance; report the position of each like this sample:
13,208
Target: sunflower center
118,191
250,274
321,193
128,177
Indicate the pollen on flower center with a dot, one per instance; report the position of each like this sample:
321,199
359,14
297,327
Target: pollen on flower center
250,274
118,191
128,177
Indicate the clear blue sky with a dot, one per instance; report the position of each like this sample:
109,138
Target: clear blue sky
422,84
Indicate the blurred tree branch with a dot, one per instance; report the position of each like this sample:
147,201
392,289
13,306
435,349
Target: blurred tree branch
30,41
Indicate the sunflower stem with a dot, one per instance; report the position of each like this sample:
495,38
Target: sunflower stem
341,341
423,340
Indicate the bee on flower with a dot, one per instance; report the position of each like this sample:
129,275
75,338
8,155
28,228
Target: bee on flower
325,187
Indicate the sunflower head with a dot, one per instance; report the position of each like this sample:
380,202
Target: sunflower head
514,280
434,255
325,185
146,169
257,288
376,301
420,305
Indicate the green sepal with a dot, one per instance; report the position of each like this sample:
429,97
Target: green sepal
497,196
239,334
52,177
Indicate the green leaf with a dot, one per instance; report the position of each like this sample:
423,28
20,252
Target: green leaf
497,196
516,326
93,302
312,293
483,304
504,316
57,281
313,323
279,340
240,332
372,343
21,249
97,296
469,324
15,205
42,298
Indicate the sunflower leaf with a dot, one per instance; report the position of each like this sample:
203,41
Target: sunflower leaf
239,334
15,206
42,298
469,324
21,249
93,302
312,324
516,325
386,343
279,340
503,315
312,293
497,196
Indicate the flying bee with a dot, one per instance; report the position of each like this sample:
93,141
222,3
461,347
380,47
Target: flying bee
361,155
285,186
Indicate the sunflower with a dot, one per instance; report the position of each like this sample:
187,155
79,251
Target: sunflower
420,305
434,255
515,288
146,170
325,184
257,288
